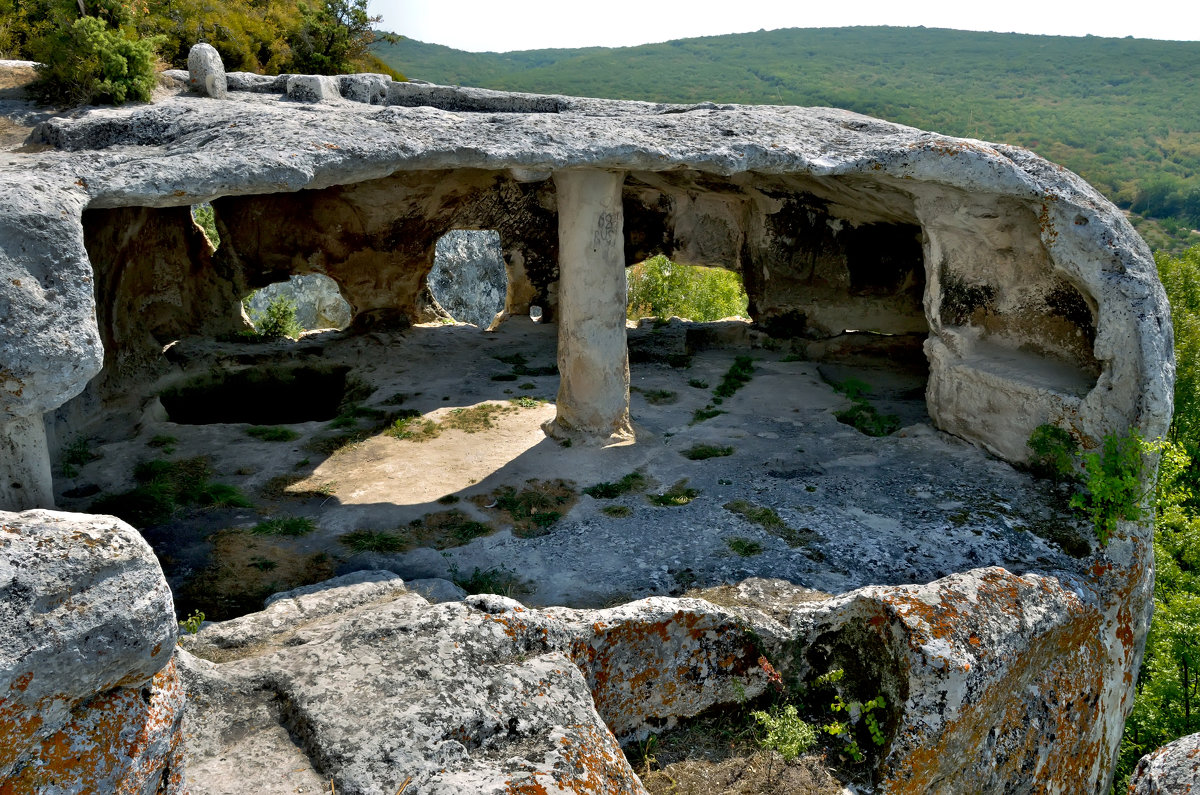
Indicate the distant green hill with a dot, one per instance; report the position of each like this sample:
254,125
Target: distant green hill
1124,113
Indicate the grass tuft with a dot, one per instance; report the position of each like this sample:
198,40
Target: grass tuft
701,452
678,494
291,526
272,433
628,484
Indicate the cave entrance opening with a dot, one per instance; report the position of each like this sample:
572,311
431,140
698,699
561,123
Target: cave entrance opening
313,299
469,279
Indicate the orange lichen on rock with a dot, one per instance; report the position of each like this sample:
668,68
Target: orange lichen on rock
125,741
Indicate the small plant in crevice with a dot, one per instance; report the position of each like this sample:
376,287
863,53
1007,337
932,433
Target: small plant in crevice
75,455
697,383
706,413
784,731
738,375
617,511
702,452
861,415
1110,489
678,494
495,580
771,521
1112,484
191,625
850,723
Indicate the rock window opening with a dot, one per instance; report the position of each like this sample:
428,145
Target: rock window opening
658,287
469,279
318,302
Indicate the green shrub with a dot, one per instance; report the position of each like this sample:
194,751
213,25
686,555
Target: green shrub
1113,483
1054,453
93,59
277,321
784,731
659,287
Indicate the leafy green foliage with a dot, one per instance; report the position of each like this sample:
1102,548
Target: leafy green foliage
784,731
97,57
203,215
76,454
1054,453
191,624
1105,108
333,36
1113,483
661,288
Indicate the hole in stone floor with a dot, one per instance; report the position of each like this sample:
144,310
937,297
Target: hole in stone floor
262,396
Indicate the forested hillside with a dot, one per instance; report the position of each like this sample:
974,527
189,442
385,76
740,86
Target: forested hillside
1124,113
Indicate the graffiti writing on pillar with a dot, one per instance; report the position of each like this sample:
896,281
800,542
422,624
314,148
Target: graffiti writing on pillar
606,231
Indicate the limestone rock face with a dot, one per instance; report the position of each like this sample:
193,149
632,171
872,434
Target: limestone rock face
318,302
468,277
1173,769
206,72
463,695
91,700
482,695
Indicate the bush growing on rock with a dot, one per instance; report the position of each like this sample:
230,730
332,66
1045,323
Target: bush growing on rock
93,57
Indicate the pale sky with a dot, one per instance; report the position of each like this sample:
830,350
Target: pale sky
501,25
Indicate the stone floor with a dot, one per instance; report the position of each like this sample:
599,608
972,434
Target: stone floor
848,509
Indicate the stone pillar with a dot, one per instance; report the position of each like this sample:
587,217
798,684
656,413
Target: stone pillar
593,359
25,480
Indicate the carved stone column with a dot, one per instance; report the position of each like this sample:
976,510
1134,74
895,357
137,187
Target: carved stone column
25,480
593,359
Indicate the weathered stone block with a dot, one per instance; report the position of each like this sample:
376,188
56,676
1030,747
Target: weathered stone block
206,72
